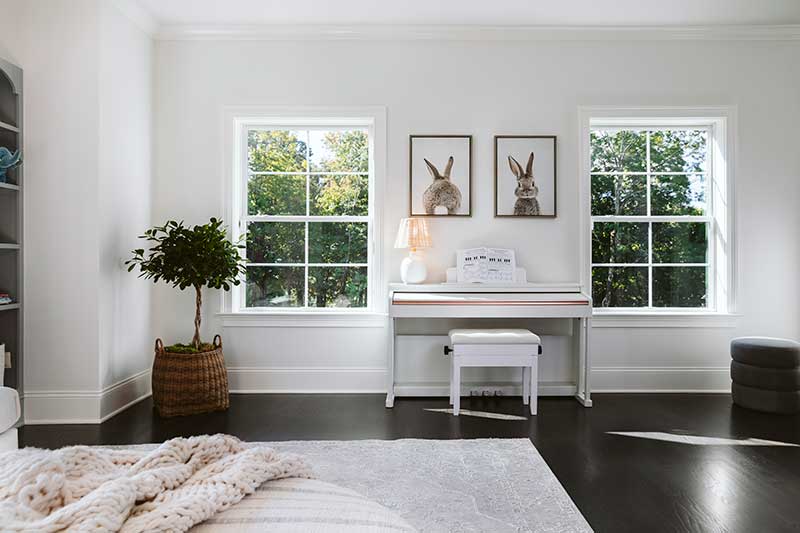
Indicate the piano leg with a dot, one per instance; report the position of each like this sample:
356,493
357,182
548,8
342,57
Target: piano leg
583,393
587,380
390,364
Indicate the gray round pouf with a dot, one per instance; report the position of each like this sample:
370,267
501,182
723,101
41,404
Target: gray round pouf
768,401
766,374
776,379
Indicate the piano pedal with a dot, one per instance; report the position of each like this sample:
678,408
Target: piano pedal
486,393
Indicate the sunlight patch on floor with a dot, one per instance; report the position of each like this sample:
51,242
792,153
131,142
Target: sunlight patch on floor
696,440
479,414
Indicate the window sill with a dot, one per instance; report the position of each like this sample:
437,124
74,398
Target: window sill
689,319
270,319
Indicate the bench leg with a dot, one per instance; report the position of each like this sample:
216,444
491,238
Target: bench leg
456,387
526,384
452,374
534,385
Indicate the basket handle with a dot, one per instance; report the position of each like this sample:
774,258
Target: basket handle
159,345
217,342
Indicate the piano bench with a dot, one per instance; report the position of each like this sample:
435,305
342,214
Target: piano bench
495,348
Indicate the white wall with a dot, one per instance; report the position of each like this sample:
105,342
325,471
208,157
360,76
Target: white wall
87,157
55,45
125,190
485,89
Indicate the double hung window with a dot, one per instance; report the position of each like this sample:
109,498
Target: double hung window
654,191
305,215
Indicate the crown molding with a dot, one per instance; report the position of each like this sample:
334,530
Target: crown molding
788,32
140,16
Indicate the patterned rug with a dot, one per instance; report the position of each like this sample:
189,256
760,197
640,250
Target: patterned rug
480,485
447,486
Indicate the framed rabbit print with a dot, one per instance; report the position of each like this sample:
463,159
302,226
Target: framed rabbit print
440,173
525,176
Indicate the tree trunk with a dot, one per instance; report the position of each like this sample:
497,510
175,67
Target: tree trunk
614,241
198,303
619,162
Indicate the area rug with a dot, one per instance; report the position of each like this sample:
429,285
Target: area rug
447,486
497,485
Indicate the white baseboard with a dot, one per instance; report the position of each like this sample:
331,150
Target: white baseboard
321,380
307,380
61,407
661,379
355,380
121,395
79,407
85,407
506,389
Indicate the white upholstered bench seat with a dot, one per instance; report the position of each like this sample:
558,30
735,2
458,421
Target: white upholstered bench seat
493,336
495,348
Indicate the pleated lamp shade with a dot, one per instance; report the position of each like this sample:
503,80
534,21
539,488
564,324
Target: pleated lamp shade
413,233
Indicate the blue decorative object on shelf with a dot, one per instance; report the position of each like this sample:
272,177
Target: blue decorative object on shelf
8,160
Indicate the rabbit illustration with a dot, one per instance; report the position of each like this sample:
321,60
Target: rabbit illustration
442,192
526,191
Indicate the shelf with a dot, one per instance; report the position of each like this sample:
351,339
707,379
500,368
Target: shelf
8,127
12,130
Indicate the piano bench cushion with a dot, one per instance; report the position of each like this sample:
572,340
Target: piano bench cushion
493,336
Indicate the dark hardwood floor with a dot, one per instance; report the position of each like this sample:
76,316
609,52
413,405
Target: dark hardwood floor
620,483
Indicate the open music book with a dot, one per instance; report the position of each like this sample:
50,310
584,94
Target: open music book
486,265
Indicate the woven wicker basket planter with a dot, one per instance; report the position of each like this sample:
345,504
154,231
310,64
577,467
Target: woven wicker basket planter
188,384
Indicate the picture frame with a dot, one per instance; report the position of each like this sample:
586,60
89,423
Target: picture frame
440,175
525,176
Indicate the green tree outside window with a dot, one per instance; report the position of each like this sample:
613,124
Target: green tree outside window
298,174
642,174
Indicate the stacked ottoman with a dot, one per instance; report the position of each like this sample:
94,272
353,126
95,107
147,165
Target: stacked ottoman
766,374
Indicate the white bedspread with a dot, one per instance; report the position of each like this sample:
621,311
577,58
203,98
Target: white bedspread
171,488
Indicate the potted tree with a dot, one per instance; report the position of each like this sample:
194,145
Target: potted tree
190,378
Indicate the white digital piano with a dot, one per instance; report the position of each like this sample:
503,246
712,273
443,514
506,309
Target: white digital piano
481,301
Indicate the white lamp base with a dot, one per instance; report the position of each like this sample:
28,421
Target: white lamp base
412,269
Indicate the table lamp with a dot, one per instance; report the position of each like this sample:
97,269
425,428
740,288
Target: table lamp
413,234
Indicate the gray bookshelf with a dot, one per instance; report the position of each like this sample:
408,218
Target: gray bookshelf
11,231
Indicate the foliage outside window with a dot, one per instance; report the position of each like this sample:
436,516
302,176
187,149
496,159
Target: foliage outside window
651,217
307,220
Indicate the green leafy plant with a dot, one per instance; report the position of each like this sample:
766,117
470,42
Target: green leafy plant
201,256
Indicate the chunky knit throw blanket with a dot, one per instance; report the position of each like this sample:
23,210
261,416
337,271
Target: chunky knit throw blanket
171,488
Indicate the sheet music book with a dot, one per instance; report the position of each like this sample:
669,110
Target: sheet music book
486,265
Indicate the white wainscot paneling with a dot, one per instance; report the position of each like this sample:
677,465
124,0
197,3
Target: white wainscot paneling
305,360
661,379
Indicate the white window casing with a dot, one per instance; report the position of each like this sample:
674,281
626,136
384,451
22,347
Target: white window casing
719,122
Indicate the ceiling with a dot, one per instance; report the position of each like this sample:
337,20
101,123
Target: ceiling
471,12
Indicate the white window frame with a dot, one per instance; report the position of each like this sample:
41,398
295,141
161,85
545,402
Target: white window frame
237,121
720,123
